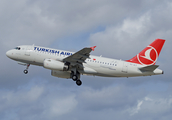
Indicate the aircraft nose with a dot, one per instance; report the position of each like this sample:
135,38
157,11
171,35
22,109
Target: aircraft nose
9,54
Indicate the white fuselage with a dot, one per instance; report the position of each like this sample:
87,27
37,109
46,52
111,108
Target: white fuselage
96,66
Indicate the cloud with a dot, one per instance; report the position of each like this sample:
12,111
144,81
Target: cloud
136,110
117,38
51,101
152,108
133,34
37,101
29,22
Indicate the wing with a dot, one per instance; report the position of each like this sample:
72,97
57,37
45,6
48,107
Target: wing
79,57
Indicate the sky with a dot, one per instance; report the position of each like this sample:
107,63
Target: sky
119,28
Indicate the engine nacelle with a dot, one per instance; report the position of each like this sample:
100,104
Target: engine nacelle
61,74
55,65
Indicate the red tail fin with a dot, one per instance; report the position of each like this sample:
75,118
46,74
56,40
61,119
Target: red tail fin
149,55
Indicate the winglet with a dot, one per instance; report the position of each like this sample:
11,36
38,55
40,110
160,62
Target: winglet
93,48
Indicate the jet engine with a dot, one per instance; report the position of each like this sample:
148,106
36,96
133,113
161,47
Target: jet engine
60,74
55,65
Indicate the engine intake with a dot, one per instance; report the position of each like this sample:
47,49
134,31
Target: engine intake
55,65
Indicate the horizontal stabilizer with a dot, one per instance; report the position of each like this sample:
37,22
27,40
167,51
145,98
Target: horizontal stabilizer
150,68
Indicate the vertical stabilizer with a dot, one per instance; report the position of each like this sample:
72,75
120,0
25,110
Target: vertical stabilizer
150,54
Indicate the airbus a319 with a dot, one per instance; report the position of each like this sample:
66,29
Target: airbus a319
66,64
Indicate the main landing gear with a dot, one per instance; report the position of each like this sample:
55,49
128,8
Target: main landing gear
76,77
79,82
26,70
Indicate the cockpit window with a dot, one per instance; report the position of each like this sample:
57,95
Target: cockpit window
17,48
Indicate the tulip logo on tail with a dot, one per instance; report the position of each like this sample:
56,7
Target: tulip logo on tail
148,56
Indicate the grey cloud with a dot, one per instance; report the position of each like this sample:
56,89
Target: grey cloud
50,101
136,32
114,97
37,21
36,102
130,34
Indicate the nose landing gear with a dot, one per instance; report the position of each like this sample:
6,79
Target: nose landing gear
26,70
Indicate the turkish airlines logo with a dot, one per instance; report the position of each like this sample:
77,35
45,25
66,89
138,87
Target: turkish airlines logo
148,56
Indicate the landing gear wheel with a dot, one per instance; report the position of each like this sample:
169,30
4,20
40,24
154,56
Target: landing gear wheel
79,82
25,71
74,77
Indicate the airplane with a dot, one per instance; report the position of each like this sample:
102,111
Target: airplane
70,65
